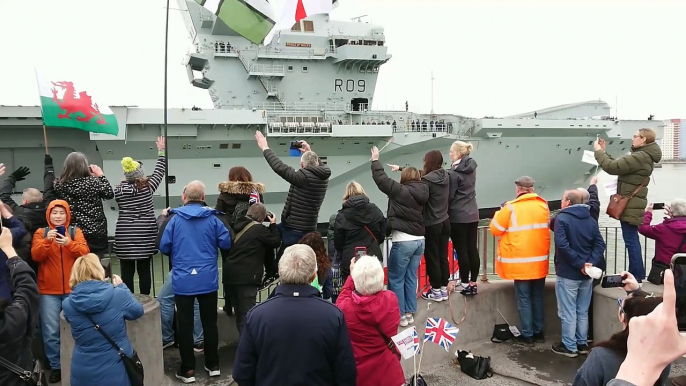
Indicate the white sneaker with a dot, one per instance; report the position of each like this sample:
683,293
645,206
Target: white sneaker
213,373
409,318
403,321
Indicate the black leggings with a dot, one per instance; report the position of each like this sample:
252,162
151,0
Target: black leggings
465,242
436,254
128,268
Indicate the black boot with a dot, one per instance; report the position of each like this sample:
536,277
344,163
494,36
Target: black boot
55,376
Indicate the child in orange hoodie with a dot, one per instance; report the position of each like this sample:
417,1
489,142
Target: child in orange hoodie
55,253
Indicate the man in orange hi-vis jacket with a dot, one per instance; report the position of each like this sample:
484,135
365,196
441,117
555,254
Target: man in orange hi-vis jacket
523,249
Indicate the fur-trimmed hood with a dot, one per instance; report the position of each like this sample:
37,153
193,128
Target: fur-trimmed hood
237,187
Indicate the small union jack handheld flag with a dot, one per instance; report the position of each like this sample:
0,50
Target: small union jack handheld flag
254,197
440,332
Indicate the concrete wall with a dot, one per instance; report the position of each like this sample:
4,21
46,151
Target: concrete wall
145,335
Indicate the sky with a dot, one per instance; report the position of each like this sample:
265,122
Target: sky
488,57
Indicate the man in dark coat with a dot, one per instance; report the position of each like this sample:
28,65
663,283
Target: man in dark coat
305,196
18,315
33,205
251,254
279,325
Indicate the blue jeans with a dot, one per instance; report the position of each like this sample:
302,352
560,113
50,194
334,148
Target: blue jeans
166,299
403,263
289,236
573,301
50,309
530,305
633,246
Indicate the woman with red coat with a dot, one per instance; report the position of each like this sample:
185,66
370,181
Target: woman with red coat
372,316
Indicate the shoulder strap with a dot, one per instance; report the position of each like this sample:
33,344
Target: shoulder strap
107,337
45,232
639,187
371,233
245,228
25,375
72,231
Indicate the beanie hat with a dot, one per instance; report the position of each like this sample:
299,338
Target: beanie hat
132,169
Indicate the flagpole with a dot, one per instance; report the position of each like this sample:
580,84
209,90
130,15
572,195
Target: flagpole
45,138
166,145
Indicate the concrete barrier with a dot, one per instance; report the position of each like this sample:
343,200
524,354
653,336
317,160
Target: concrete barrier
482,315
145,335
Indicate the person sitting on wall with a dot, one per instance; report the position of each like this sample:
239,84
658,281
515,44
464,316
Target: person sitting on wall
305,196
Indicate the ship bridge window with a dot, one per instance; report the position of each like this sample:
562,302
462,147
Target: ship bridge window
305,69
359,104
341,42
308,26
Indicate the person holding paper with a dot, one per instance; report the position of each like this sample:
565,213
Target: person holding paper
633,172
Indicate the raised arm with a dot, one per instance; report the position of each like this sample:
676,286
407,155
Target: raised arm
158,175
624,165
102,185
292,176
9,185
49,180
386,185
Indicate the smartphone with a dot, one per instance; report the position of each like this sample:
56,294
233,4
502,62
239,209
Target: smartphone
61,230
659,206
679,269
359,252
107,266
612,281
296,144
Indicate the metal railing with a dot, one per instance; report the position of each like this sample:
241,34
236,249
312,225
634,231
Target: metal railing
616,258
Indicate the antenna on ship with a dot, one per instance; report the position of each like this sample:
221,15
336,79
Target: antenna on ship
166,146
358,18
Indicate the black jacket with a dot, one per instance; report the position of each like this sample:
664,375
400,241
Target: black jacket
295,318
405,202
31,214
306,194
18,321
359,224
233,192
462,208
251,254
436,208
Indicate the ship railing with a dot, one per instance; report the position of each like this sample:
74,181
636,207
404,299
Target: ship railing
408,127
298,106
308,53
304,128
615,257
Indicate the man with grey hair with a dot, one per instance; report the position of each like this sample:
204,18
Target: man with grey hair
34,204
305,196
192,237
578,247
273,349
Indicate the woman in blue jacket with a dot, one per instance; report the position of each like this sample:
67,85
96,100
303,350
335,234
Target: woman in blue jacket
95,361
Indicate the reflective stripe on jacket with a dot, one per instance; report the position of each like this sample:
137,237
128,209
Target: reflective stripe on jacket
524,244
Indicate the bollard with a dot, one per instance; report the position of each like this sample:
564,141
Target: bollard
145,335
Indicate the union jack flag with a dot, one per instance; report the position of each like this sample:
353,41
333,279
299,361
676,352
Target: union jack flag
416,341
440,332
254,197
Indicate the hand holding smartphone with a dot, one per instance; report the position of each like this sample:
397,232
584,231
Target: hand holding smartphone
612,281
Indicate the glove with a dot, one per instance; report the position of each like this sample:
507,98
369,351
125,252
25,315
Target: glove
20,173
48,160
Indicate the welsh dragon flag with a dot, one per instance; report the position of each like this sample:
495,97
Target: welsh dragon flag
67,103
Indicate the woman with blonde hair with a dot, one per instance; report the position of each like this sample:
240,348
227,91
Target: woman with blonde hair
94,301
406,201
359,224
464,214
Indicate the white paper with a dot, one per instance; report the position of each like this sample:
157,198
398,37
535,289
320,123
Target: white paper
405,342
515,331
610,187
589,158
594,272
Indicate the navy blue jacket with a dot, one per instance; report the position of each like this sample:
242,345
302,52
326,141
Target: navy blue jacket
18,231
593,203
577,241
95,361
192,238
295,338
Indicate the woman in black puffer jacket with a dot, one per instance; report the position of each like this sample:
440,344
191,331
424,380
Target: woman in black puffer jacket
406,201
239,188
359,223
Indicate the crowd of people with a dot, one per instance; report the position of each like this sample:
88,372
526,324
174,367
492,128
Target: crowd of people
62,234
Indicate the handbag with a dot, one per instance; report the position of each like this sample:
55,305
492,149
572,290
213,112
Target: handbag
618,202
657,270
501,333
389,344
474,366
30,378
133,365
420,381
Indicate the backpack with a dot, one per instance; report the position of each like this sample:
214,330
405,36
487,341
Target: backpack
239,212
71,230
336,274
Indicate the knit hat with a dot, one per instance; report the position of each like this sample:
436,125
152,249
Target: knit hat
132,169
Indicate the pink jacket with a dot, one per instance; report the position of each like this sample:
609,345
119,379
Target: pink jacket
366,317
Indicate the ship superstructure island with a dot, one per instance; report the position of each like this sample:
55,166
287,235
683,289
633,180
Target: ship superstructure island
316,82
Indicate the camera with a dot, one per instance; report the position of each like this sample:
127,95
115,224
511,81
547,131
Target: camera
678,267
296,144
659,206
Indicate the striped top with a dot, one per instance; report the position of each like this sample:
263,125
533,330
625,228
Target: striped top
136,229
